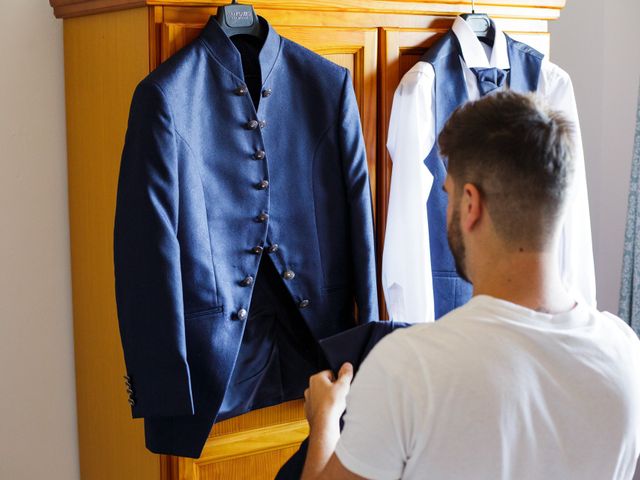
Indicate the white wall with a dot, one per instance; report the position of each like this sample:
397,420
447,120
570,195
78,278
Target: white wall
597,42
38,437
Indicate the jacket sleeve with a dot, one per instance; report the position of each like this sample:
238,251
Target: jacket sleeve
355,172
147,260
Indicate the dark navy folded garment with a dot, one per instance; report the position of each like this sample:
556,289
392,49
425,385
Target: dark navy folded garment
354,345
351,346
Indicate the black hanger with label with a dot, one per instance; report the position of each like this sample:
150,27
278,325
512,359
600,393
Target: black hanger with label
239,19
481,25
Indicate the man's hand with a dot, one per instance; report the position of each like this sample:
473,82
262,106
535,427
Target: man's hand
325,399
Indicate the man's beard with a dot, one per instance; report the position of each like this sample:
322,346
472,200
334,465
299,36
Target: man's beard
456,244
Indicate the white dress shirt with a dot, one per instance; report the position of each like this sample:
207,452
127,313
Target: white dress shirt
406,261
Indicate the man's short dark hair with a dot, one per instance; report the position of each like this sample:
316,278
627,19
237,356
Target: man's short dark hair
519,154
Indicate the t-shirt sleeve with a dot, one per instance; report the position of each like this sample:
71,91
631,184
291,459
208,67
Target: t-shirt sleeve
378,425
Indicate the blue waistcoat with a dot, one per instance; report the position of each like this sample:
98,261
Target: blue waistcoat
208,186
449,289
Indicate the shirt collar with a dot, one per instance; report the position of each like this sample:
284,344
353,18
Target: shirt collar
223,49
473,52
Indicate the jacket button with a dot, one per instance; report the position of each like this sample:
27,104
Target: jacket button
263,217
259,155
263,185
272,248
257,250
252,124
246,281
242,90
262,123
266,92
241,314
289,275
303,303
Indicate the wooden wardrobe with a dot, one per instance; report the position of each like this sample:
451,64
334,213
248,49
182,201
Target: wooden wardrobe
109,46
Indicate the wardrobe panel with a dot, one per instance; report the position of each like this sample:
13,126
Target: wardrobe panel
357,50
174,37
105,57
254,454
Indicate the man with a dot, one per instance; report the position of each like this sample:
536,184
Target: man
521,382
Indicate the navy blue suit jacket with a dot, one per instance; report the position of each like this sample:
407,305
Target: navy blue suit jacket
194,216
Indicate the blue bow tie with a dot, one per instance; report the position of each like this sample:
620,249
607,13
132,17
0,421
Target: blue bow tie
489,79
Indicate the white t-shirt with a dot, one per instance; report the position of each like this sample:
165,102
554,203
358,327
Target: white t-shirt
495,390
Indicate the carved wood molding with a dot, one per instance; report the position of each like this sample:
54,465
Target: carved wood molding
78,8
540,9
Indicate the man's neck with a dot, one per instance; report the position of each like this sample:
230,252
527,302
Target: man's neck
530,279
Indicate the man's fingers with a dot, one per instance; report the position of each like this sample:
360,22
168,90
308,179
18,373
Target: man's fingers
306,395
345,375
325,376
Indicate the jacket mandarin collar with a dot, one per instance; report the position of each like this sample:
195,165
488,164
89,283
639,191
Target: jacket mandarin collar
472,50
223,49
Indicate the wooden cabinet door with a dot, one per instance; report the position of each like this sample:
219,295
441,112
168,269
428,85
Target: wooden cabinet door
252,446
400,49
356,49
255,445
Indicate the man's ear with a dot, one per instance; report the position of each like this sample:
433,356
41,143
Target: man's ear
472,207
